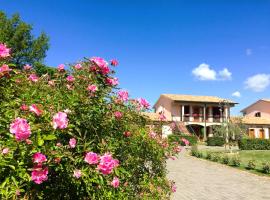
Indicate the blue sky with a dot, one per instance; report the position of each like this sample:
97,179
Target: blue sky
184,47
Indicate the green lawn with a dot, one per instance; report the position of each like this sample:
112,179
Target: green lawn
259,157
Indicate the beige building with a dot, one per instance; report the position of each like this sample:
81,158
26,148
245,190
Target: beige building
196,114
257,118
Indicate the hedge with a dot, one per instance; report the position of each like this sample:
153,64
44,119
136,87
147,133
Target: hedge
254,144
215,141
177,138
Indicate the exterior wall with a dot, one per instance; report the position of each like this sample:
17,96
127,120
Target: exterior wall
260,106
164,105
257,131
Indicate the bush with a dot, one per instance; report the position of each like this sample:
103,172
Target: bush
208,156
225,159
266,168
235,161
215,141
215,157
254,144
251,164
65,137
194,151
193,140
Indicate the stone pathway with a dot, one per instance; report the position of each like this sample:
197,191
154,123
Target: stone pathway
198,179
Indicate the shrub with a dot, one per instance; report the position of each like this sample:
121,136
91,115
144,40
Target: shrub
251,164
193,140
266,168
215,157
194,151
65,137
225,159
254,144
215,141
208,155
235,161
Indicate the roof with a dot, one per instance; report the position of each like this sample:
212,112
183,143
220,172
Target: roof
152,116
195,98
267,100
252,120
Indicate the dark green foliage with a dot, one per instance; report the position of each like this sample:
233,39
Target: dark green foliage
193,140
215,157
26,49
225,159
266,168
208,156
254,144
215,141
251,164
235,161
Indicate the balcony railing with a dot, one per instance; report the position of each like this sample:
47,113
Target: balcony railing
200,118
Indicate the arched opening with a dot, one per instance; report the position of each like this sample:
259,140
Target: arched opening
196,130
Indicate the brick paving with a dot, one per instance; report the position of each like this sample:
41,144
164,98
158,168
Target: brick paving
198,179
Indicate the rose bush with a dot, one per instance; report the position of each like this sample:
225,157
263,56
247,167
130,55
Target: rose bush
76,136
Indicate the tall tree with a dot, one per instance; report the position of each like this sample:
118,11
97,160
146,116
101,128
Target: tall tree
26,49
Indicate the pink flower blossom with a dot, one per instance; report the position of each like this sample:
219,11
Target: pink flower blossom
27,67
51,83
33,78
114,62
61,68
173,187
5,151
69,87
102,64
4,51
70,78
33,108
107,164
177,149
39,158
39,174
20,128
77,173
152,135
4,69
115,182
60,120
58,144
91,158
186,142
127,133
78,66
118,114
123,95
24,107
72,143
92,88
28,141
112,81
143,103
162,117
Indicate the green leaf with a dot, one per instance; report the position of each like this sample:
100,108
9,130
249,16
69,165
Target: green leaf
49,137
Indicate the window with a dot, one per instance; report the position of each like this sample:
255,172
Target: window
258,114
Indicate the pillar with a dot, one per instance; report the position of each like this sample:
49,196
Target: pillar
182,113
210,118
204,118
191,113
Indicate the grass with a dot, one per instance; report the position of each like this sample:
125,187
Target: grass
258,156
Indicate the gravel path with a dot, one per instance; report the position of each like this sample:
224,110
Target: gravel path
198,179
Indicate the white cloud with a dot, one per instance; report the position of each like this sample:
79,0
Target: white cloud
249,52
205,73
236,94
258,82
225,74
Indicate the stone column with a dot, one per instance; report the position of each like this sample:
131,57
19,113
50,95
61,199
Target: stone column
191,113
204,119
182,113
201,114
210,119
226,114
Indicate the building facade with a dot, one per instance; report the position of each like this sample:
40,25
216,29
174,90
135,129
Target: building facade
194,114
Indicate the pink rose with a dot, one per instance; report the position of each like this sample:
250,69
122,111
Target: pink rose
33,78
173,188
186,142
4,51
118,115
92,88
4,69
61,68
60,120
78,66
91,158
102,64
112,81
5,151
114,62
107,164
77,173
51,83
27,67
39,174
123,95
72,143
152,135
115,182
28,141
177,149
70,78
143,103
39,158
162,117
33,108
20,128
24,107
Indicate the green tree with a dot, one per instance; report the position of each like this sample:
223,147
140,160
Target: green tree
26,49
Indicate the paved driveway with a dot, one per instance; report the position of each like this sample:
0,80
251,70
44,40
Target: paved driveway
198,179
